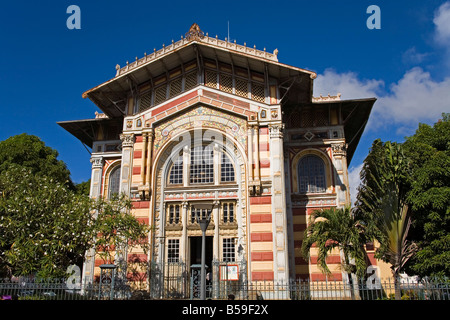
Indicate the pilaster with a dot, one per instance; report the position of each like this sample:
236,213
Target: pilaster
126,164
280,249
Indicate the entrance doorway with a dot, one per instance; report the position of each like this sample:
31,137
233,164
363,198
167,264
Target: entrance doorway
195,246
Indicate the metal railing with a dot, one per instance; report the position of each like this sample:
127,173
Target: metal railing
178,288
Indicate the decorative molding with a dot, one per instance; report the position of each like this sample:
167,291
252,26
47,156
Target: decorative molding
196,34
97,162
327,98
339,149
254,188
127,140
276,130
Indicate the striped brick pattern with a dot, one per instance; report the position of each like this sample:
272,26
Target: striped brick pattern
309,269
220,101
261,238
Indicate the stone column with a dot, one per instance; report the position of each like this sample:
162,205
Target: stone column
125,184
95,193
280,248
341,177
256,140
184,238
148,178
127,158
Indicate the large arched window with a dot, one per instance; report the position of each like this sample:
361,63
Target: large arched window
202,165
311,175
114,182
205,162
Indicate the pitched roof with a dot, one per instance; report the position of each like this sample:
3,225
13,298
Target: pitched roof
111,95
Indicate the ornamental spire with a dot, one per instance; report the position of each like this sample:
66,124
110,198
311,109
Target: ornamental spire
194,33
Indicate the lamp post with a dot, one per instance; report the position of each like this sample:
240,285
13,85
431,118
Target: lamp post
203,221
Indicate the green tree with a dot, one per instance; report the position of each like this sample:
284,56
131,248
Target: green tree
381,204
44,227
117,230
83,187
429,198
31,152
338,229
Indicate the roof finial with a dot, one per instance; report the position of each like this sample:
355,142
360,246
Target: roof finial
194,33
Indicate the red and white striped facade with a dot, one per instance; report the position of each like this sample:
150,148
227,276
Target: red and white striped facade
276,153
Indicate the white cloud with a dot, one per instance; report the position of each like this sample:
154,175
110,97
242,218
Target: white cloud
354,181
442,24
411,56
347,84
415,98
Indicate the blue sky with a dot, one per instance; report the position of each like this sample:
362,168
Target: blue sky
45,67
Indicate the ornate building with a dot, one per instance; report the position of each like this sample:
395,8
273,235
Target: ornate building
204,126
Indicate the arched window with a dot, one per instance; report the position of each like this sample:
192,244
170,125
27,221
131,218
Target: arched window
202,167
226,169
311,174
114,182
176,172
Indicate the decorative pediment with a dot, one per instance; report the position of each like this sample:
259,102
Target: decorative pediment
200,117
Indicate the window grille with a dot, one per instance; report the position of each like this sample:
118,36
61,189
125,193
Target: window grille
311,174
226,83
321,118
114,182
241,87
228,212
258,92
202,165
175,87
307,119
176,172
190,80
226,169
229,249
202,213
160,94
210,79
173,250
145,101
295,120
174,213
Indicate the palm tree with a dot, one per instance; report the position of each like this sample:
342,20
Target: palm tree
333,229
381,203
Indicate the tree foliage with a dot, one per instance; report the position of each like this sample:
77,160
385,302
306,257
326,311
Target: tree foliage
47,223
381,203
332,229
405,200
429,197
44,226
31,152
116,228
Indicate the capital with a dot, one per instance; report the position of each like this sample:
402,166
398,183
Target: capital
97,162
127,140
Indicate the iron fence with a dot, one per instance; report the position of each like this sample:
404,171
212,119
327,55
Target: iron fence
169,286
